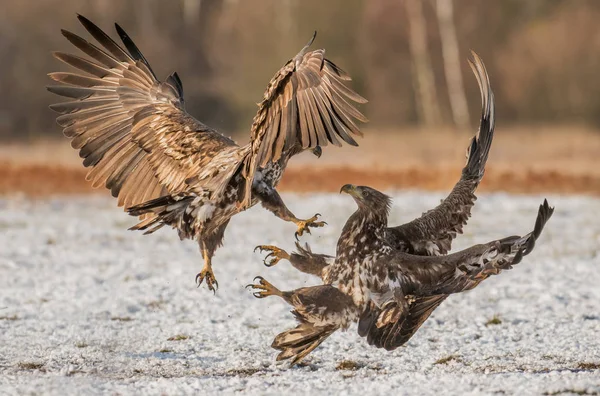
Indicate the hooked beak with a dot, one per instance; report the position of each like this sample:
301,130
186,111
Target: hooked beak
317,151
350,189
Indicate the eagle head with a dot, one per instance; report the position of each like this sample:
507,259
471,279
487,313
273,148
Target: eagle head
368,198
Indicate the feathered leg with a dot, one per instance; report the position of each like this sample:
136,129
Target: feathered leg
208,246
304,260
271,200
319,310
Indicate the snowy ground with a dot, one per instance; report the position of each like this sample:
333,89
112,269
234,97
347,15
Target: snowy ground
87,307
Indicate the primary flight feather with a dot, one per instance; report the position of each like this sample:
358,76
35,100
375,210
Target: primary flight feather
162,164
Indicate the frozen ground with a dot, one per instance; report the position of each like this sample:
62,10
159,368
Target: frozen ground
89,308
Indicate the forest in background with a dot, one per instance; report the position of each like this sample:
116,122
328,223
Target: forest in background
408,57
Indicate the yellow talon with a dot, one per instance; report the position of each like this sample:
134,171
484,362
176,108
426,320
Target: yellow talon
304,225
208,275
276,254
264,288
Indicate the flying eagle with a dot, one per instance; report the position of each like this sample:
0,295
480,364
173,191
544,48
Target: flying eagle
389,293
432,233
167,167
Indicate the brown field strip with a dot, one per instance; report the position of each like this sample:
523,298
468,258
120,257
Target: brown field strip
44,180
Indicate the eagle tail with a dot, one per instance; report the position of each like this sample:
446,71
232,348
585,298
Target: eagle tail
164,210
298,342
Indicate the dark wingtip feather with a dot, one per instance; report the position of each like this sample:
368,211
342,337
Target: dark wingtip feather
132,48
312,39
544,214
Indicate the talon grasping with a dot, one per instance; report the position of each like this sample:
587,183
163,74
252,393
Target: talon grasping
265,288
303,225
275,254
208,275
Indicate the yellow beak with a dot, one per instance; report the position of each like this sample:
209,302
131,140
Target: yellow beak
350,189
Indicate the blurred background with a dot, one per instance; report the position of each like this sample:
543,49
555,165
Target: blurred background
407,57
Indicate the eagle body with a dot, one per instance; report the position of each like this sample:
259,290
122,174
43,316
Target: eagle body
197,214
133,132
389,279
389,293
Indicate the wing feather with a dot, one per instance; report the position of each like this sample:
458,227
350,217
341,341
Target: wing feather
315,108
130,128
434,231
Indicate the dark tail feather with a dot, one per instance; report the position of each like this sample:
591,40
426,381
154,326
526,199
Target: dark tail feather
479,149
165,210
298,342
151,206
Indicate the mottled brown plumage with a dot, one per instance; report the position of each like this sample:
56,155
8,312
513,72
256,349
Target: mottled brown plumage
397,276
432,233
167,167
389,292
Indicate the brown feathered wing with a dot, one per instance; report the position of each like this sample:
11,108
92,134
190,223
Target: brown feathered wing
306,105
432,233
130,128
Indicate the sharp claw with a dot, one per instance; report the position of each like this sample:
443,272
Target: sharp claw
256,248
260,278
270,263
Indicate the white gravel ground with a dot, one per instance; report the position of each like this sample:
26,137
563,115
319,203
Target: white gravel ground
88,307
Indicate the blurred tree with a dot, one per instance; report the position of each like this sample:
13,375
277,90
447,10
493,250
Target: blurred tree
428,107
542,55
451,54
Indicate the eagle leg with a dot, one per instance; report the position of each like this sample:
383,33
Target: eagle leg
275,254
265,289
304,225
207,273
271,200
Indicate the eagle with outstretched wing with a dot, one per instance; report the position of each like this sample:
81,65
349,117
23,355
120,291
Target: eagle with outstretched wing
355,288
165,166
389,293
432,233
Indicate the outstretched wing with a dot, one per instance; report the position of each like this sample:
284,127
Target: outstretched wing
432,279
432,233
130,128
306,105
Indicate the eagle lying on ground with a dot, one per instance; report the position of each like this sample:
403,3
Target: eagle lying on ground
169,168
432,233
389,292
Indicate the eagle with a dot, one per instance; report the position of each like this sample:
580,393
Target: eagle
165,166
432,233
390,293
429,235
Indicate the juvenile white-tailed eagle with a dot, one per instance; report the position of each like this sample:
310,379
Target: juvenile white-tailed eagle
162,164
377,266
389,292
432,233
